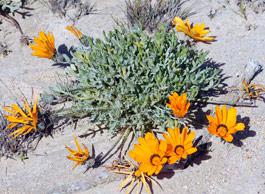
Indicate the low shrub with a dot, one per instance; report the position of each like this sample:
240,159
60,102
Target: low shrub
124,80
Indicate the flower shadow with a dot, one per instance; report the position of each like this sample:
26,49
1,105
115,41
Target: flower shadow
241,135
64,56
202,154
197,158
166,173
197,118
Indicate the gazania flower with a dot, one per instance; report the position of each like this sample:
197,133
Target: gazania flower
179,144
77,33
135,179
24,120
225,124
179,104
198,32
79,156
44,46
150,154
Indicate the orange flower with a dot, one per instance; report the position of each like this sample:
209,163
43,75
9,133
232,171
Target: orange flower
179,104
224,125
150,154
77,33
80,156
44,46
26,120
198,32
179,145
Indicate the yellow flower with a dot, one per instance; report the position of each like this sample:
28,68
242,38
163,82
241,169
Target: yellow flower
80,156
224,125
77,33
25,120
44,46
179,145
179,104
150,154
198,32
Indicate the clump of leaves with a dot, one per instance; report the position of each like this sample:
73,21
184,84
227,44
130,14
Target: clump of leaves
9,6
148,15
73,9
124,80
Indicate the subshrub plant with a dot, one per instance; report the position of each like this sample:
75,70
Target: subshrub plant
123,81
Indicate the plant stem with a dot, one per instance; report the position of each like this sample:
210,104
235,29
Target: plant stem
123,137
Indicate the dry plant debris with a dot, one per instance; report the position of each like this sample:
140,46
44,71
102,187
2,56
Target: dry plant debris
4,51
257,6
252,91
72,9
8,7
134,179
149,15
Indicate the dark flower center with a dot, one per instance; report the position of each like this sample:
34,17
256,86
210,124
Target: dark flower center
179,150
155,159
222,130
79,155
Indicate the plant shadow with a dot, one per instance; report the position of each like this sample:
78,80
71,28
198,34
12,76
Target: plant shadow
202,154
64,56
241,135
198,157
221,88
197,117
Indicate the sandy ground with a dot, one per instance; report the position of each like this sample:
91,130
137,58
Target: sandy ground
227,169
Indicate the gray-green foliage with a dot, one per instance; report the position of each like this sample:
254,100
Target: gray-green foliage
10,6
124,80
